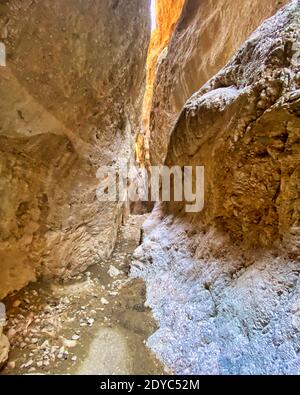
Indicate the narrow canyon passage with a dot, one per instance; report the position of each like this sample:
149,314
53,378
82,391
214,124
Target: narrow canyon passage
95,324
104,270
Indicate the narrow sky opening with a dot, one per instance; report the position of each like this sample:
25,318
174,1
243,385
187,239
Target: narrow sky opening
153,15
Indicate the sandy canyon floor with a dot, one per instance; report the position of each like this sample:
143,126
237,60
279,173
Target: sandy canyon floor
95,324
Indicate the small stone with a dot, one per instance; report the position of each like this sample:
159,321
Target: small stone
28,364
11,364
17,303
114,272
294,95
45,345
104,301
74,359
75,337
91,321
69,343
11,333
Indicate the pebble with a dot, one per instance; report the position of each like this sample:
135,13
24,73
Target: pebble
114,272
28,364
69,343
91,321
104,301
45,345
11,364
294,95
11,333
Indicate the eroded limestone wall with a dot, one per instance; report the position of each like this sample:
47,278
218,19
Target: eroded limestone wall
224,283
70,101
207,35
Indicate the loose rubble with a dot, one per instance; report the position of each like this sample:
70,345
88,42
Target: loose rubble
50,326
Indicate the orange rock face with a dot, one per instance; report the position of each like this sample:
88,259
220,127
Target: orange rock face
206,36
167,15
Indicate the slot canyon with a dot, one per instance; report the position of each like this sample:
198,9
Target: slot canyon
95,286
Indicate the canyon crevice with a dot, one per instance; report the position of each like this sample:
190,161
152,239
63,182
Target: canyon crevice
85,85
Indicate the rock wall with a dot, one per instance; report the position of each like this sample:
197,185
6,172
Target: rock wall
70,101
4,347
207,35
167,15
4,344
224,283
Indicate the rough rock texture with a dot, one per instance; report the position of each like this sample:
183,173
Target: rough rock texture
167,14
4,344
70,101
4,348
207,35
224,284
